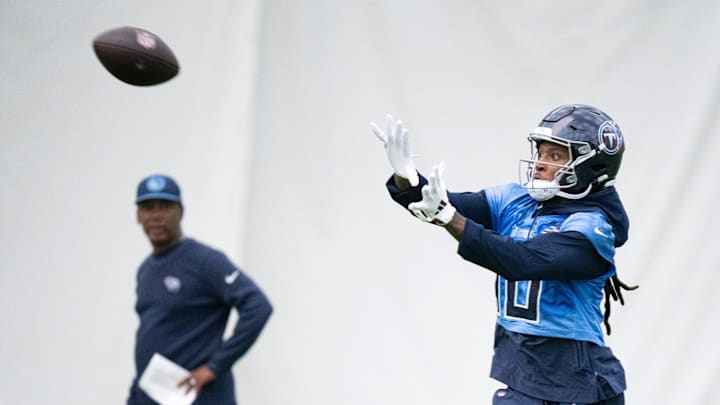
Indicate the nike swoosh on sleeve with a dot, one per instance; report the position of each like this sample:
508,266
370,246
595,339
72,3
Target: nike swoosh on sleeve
599,232
229,279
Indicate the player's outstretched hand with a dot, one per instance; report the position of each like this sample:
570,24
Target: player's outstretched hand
435,206
397,146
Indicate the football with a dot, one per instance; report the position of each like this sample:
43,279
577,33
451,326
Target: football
136,56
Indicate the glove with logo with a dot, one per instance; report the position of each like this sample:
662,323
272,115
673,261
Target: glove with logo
397,146
435,206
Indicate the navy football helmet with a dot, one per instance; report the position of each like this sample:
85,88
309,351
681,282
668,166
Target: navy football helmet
595,145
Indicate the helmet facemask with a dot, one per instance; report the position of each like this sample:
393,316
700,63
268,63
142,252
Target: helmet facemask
566,182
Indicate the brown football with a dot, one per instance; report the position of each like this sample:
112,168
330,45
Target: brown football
136,56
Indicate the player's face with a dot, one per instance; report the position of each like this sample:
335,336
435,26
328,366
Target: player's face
160,220
551,157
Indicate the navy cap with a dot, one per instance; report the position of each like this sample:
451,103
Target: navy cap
158,187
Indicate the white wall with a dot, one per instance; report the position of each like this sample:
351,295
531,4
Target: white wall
267,130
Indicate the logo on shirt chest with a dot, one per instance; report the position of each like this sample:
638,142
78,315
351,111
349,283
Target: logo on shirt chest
549,229
519,233
534,227
172,284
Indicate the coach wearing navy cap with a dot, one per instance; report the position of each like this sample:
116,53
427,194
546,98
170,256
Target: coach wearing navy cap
185,291
160,211
158,187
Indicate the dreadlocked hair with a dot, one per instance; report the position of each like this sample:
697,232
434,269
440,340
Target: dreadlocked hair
613,289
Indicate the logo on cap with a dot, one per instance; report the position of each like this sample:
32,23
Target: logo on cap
155,183
157,186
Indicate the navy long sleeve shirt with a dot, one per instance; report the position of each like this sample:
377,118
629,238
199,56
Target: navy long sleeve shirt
184,298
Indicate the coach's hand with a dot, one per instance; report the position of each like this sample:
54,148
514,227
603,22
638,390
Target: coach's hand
197,379
435,206
397,147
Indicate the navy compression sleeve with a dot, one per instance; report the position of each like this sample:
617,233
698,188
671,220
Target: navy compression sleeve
405,197
471,205
551,256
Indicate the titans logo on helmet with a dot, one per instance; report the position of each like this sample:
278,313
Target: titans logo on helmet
609,135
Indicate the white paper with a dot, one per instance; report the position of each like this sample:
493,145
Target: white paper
160,380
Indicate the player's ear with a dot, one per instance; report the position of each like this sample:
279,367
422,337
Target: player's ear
182,211
137,215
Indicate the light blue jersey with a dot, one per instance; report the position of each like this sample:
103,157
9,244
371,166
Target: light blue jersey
562,309
548,339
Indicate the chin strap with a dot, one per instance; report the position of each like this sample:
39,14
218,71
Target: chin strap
575,196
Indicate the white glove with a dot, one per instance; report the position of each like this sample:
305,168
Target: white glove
397,146
435,206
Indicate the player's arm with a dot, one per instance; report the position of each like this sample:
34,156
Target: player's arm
552,256
404,195
406,185
401,183
559,255
456,226
467,204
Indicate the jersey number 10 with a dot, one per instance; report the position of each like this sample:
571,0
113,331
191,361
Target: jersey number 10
522,299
